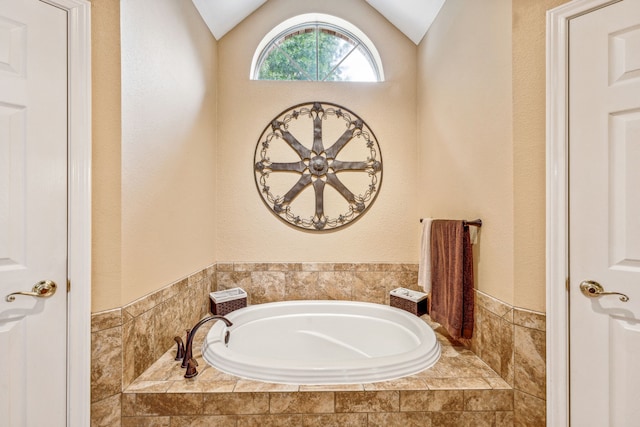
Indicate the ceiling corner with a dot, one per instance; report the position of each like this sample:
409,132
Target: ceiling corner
412,17
221,16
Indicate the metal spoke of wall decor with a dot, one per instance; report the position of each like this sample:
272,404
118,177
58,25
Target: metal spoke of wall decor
318,169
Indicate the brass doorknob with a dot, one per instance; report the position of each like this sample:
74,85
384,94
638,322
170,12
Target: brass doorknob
42,289
593,289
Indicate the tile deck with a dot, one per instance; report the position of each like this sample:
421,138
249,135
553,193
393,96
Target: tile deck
459,390
457,369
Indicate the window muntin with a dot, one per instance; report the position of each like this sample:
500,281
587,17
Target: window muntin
317,51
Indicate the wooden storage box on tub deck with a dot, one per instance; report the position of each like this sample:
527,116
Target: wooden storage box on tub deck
412,301
224,302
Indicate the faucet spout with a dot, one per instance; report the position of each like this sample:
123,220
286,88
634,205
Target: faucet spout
188,353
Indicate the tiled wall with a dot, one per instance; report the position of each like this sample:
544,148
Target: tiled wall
512,341
387,408
316,281
127,341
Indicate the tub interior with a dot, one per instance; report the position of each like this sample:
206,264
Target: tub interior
321,342
322,337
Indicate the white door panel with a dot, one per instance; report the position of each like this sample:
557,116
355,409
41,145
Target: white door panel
33,212
604,214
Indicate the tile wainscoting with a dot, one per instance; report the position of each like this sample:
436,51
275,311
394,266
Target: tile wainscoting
512,341
316,281
459,389
127,341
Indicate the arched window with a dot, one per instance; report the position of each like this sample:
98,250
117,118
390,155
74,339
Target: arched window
317,47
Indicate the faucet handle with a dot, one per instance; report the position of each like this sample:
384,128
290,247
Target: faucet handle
180,350
191,368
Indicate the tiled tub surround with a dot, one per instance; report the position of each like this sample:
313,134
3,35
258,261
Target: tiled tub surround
316,281
132,337
126,341
512,341
459,390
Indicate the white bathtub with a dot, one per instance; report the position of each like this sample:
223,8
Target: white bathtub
322,342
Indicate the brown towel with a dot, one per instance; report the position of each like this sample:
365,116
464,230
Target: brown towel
452,277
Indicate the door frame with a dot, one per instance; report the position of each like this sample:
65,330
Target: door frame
557,215
79,211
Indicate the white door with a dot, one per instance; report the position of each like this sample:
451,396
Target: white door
604,216
33,213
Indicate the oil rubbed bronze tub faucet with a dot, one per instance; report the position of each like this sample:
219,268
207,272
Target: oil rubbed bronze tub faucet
188,361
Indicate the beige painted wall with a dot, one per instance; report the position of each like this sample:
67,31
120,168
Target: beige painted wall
481,123
529,86
106,290
154,189
464,130
247,231
475,148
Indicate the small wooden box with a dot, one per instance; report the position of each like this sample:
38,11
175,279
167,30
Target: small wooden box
412,301
224,302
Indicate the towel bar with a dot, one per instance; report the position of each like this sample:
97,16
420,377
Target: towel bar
475,222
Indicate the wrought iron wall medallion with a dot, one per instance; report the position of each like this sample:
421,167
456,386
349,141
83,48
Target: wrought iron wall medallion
318,166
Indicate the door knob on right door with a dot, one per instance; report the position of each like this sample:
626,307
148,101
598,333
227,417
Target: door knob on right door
593,289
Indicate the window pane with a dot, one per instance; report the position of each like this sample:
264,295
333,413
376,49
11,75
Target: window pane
355,68
301,48
278,66
332,49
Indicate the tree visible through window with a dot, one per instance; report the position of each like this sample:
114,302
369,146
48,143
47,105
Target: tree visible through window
316,52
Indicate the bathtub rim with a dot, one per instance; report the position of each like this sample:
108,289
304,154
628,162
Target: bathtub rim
384,368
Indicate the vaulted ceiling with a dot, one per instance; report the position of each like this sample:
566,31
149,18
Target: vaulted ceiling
412,17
